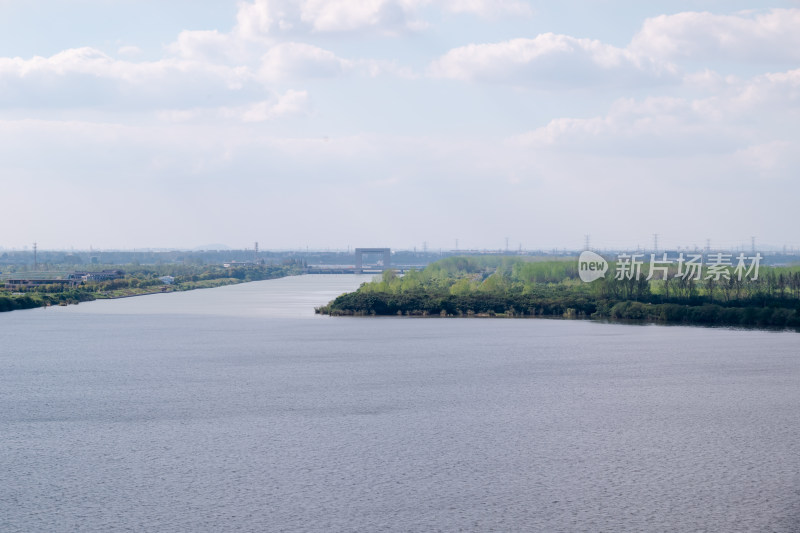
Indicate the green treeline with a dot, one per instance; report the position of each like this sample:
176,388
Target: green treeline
515,287
139,280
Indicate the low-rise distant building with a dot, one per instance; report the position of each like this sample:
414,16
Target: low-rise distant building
101,275
24,283
167,280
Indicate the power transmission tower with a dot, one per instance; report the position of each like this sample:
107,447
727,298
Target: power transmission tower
586,242
35,258
655,243
753,244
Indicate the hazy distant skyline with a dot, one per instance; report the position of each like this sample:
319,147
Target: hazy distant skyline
142,124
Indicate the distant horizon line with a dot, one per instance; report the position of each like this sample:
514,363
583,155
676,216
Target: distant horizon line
786,249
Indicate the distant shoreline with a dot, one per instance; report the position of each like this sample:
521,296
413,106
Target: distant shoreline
33,299
596,320
620,312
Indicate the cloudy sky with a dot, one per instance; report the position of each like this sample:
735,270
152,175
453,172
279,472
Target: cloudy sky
336,123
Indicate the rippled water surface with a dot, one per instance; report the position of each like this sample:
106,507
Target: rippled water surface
237,409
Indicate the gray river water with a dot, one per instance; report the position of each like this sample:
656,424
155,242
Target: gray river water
237,409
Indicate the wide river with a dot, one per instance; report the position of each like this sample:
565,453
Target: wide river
237,409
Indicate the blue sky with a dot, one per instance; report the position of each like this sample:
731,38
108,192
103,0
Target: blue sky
335,123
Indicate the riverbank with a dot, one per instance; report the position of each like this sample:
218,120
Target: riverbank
762,323
188,286
604,310
137,285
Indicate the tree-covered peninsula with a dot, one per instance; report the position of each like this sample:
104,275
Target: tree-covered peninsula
520,287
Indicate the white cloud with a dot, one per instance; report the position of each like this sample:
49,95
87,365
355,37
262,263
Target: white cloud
86,77
547,60
208,46
653,127
758,112
779,91
77,60
129,51
758,36
208,70
255,20
273,62
291,103
267,20
489,8
300,60
390,16
553,60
